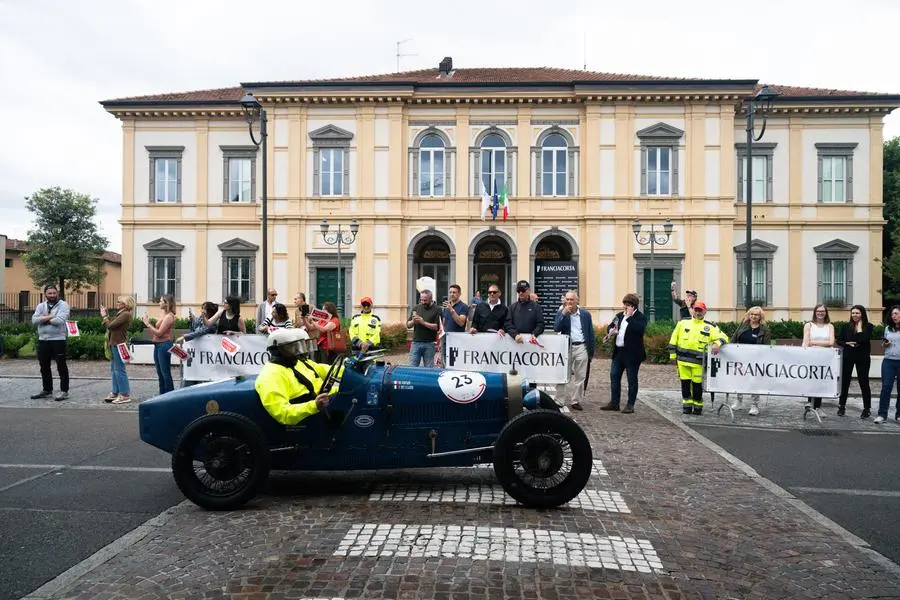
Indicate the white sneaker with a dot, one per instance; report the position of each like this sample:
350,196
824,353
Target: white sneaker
737,404
754,410
878,420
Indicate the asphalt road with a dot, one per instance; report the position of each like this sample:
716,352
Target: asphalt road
71,482
852,477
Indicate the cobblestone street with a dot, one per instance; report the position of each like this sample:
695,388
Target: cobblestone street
663,516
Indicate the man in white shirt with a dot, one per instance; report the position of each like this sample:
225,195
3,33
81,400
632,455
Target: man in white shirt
578,325
264,310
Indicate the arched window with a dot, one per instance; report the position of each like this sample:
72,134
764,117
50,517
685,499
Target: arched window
432,166
554,172
493,164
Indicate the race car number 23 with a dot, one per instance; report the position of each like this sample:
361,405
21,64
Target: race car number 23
462,387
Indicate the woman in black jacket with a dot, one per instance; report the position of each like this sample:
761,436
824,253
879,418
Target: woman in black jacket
752,330
855,338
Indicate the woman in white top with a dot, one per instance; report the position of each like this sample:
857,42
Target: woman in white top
819,332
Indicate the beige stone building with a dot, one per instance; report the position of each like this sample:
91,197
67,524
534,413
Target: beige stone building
580,154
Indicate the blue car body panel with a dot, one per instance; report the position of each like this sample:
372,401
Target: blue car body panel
383,417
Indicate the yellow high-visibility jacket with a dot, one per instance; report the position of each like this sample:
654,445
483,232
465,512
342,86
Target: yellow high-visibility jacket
277,386
365,328
691,338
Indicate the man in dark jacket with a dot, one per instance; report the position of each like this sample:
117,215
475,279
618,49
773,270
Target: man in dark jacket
525,314
627,333
491,315
576,323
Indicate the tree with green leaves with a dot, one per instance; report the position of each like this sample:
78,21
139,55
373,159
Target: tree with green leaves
65,247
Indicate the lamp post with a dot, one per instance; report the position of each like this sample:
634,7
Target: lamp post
761,102
253,110
339,237
652,238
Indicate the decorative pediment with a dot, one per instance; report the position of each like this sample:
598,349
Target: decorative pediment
836,246
163,245
660,131
331,133
237,245
757,247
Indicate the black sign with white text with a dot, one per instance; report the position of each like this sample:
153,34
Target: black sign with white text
552,279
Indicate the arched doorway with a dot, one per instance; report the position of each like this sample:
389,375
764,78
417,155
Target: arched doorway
555,270
492,265
431,257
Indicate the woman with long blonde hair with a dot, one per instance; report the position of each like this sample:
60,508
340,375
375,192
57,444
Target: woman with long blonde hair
162,342
752,330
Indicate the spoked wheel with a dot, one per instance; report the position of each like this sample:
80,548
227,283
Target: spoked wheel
543,459
221,461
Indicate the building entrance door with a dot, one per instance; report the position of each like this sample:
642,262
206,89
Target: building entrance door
326,286
662,293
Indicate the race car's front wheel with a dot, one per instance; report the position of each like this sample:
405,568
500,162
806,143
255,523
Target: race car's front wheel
543,459
221,461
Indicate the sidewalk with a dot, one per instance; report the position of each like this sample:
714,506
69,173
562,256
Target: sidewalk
666,515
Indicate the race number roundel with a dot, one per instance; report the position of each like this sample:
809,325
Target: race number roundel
462,387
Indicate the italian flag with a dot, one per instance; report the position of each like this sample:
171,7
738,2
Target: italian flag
504,201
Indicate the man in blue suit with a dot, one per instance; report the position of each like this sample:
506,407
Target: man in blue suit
578,325
627,333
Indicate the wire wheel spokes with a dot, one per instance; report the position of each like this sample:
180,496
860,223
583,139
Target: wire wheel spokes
222,463
543,461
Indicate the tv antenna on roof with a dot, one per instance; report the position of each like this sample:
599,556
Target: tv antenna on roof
399,54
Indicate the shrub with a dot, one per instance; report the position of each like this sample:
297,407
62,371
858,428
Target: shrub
88,346
14,343
393,336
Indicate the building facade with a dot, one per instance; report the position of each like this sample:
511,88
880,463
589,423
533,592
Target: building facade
580,155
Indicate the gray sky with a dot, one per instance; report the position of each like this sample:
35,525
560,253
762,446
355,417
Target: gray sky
58,58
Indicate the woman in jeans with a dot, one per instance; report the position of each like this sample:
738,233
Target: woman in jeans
855,338
819,333
115,330
752,330
162,342
890,366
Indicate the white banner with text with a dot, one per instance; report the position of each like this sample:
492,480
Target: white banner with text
775,370
212,357
544,359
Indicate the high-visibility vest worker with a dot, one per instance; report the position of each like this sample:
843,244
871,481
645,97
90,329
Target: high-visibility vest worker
687,346
365,327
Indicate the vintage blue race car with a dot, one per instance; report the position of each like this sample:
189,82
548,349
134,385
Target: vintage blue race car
223,443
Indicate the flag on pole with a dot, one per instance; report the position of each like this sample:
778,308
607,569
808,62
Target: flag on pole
495,204
504,201
485,201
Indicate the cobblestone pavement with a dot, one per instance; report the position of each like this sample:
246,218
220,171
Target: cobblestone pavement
664,517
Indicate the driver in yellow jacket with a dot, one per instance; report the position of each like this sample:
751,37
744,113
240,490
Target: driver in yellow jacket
688,345
290,385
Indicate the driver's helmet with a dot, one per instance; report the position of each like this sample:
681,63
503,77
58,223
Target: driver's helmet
288,342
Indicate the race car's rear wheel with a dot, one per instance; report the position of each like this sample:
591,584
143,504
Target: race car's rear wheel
221,461
542,459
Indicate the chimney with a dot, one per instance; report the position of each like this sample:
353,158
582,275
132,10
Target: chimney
446,66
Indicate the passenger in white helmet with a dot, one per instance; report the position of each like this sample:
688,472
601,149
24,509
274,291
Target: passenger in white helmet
290,385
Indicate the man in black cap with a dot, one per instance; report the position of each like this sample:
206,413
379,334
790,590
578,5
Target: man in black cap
524,315
685,306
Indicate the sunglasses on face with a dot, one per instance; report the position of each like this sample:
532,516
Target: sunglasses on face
493,291
366,304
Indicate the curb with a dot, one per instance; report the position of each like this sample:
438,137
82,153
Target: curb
68,578
739,465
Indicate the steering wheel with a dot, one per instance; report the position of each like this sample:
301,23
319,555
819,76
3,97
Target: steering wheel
370,355
331,377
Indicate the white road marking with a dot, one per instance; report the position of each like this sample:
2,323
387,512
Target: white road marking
597,469
847,492
482,542
88,468
489,494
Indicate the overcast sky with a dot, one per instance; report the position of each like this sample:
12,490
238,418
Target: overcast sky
58,58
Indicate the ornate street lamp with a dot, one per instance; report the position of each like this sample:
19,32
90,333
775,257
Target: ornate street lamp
652,238
339,237
254,111
760,103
